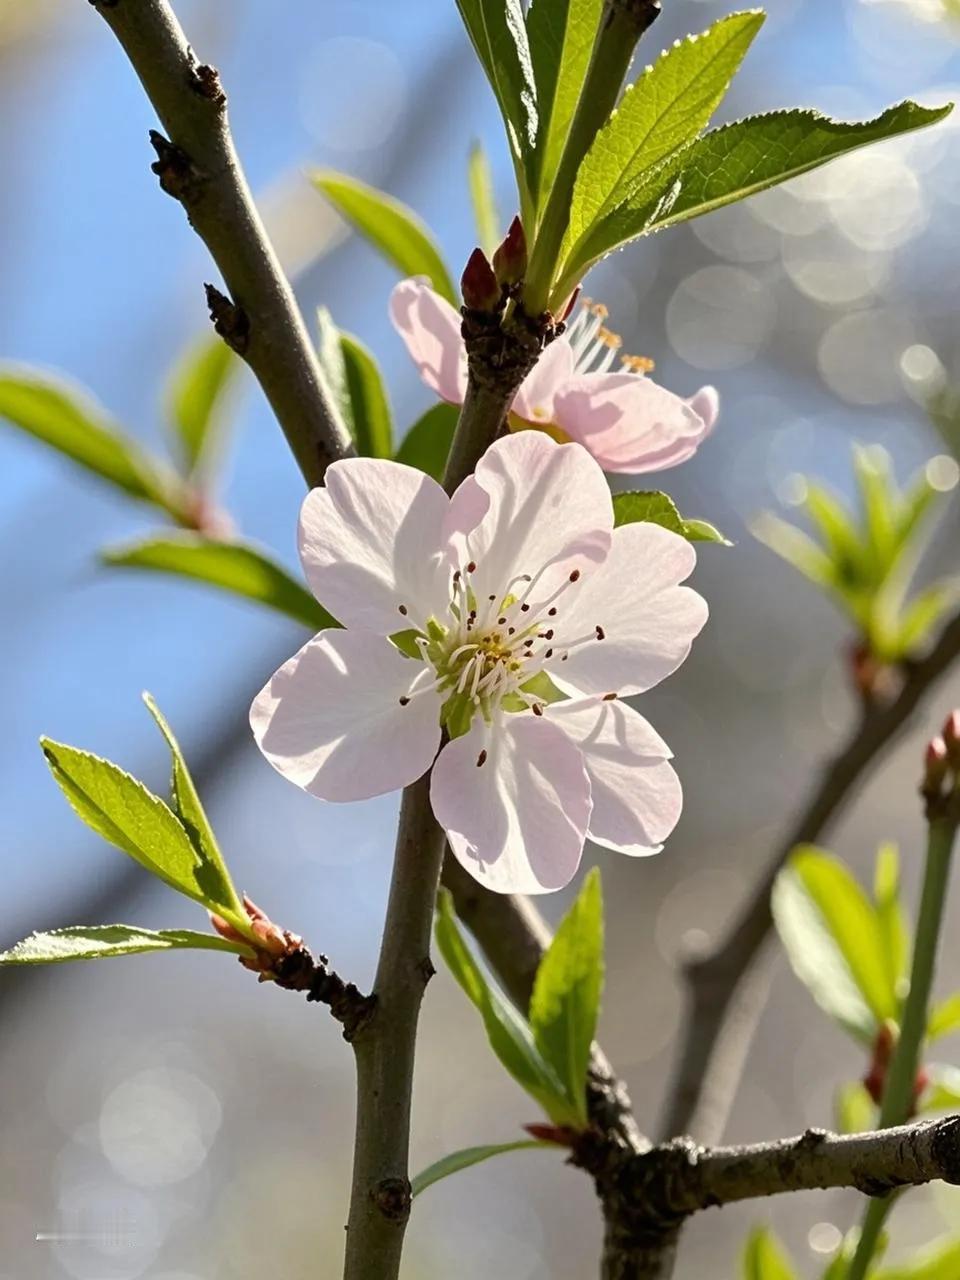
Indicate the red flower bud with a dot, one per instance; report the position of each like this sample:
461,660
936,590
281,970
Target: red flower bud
510,259
556,1133
571,303
481,291
936,763
951,738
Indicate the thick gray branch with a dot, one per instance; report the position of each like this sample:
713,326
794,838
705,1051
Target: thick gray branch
721,988
197,165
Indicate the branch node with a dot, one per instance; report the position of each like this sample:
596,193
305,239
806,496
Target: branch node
426,969
393,1197
230,321
206,82
179,176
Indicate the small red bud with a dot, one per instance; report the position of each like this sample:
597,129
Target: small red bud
510,259
951,738
556,1133
481,291
571,303
936,763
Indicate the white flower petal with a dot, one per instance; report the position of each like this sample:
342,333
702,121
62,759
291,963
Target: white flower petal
331,720
372,540
549,514
534,400
430,328
517,821
647,621
637,797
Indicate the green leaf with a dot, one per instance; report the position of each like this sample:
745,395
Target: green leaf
240,568
126,814
212,874
943,1090
794,546
658,508
878,495
941,1261
833,941
334,366
944,1018
196,393
856,1112
483,199
892,919
61,415
921,614
98,942
392,228
369,406
427,443
764,1258
507,1031
839,534
736,161
565,1003
499,37
468,1157
561,35
670,104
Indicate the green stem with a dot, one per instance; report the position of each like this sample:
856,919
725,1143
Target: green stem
623,23
482,416
898,1096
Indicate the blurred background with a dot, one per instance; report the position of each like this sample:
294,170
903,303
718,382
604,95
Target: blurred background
167,1119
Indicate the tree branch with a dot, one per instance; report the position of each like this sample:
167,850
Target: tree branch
716,991
198,166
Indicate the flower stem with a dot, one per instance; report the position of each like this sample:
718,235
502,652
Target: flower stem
384,1048
898,1095
482,415
622,25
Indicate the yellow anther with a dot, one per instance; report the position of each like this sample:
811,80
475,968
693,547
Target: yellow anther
609,338
597,309
638,364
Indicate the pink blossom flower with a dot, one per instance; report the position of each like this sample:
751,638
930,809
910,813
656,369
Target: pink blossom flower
518,615
626,420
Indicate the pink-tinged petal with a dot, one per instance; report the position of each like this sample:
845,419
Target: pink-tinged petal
637,797
628,422
643,621
430,328
549,514
534,400
516,821
706,405
331,719
372,541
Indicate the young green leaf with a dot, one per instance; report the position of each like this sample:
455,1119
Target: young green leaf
944,1018
98,942
920,615
764,1258
565,1003
427,443
668,106
212,874
392,228
891,917
468,1157
734,162
485,215
508,1033
796,547
237,567
561,35
856,1111
499,37
334,366
369,406
64,417
943,1088
126,814
196,395
834,942
941,1261
658,508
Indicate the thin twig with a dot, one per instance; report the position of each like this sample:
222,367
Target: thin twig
197,165
700,1099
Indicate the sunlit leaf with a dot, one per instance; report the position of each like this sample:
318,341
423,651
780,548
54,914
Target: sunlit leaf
240,568
334,366
369,406
856,1111
97,942
485,215
565,1003
507,1031
392,228
212,874
658,508
944,1018
196,395
64,417
468,1157
764,1258
941,1261
794,546
427,443
921,615
891,917
943,1089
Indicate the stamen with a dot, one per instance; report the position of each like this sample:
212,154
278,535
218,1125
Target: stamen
481,759
601,634
402,609
609,697
638,364
537,709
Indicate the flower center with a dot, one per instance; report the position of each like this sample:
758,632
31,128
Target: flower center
595,346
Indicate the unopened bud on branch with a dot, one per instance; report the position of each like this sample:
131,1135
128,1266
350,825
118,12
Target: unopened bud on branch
951,739
936,764
480,288
510,259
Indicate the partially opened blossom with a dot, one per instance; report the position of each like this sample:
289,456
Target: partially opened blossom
628,422
497,628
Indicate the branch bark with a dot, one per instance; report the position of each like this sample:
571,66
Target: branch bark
719,987
198,165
